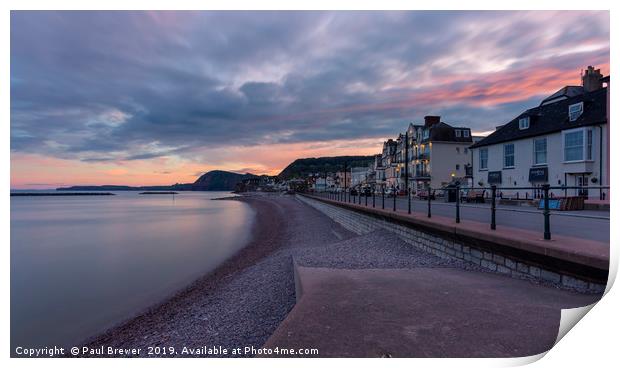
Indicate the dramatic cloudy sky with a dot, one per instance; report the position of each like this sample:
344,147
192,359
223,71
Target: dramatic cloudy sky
160,97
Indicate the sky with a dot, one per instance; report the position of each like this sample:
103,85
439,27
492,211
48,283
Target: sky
156,98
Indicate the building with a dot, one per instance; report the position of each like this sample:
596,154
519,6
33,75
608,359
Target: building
342,180
386,173
439,154
360,175
563,141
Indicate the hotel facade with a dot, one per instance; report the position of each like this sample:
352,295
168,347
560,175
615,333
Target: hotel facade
561,142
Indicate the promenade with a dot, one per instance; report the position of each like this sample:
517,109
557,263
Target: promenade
585,224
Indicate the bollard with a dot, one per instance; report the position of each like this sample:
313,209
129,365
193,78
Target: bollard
493,190
409,201
429,202
458,204
546,212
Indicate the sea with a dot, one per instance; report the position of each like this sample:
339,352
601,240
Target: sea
82,264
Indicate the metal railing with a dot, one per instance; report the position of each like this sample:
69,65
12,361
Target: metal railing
456,193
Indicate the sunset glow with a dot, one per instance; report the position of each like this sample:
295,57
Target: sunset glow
156,98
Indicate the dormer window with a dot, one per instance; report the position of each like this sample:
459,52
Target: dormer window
575,111
466,133
457,132
524,123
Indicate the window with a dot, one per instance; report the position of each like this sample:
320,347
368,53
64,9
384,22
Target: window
457,132
575,111
484,158
524,123
465,150
466,133
425,134
458,167
458,150
573,146
540,151
589,145
509,155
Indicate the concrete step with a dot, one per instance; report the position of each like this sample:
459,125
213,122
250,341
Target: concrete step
424,312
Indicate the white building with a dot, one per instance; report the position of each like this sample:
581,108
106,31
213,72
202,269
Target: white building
359,175
563,141
440,154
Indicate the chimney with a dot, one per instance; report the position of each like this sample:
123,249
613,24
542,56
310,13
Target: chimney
431,120
591,79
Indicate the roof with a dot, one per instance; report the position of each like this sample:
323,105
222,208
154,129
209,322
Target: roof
551,118
563,93
442,132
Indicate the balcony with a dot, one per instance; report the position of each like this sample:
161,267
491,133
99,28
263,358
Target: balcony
422,175
422,156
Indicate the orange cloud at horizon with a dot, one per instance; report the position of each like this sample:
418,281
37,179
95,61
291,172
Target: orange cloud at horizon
33,171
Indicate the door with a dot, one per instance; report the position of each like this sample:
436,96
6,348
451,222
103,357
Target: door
582,182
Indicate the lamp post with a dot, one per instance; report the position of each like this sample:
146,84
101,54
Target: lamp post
345,182
407,161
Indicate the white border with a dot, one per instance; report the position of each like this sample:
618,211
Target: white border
593,342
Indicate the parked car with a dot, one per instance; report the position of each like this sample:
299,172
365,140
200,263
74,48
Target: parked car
424,194
353,191
367,192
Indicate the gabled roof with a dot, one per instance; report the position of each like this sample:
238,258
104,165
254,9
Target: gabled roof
551,118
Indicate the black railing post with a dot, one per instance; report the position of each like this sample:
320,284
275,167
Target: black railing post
365,200
458,204
493,191
373,198
394,194
359,197
382,197
546,212
409,201
429,202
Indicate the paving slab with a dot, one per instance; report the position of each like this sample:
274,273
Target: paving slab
423,312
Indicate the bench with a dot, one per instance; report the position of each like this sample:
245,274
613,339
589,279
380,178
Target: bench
476,196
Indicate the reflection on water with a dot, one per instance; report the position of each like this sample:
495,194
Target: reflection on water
81,264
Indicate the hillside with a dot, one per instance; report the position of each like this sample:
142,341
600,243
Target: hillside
212,180
219,180
304,166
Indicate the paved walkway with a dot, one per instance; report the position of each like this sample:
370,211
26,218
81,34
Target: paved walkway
424,312
593,227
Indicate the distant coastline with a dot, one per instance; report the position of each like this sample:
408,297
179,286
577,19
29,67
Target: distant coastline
216,180
41,194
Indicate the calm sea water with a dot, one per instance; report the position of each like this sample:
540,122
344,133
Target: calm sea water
81,264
